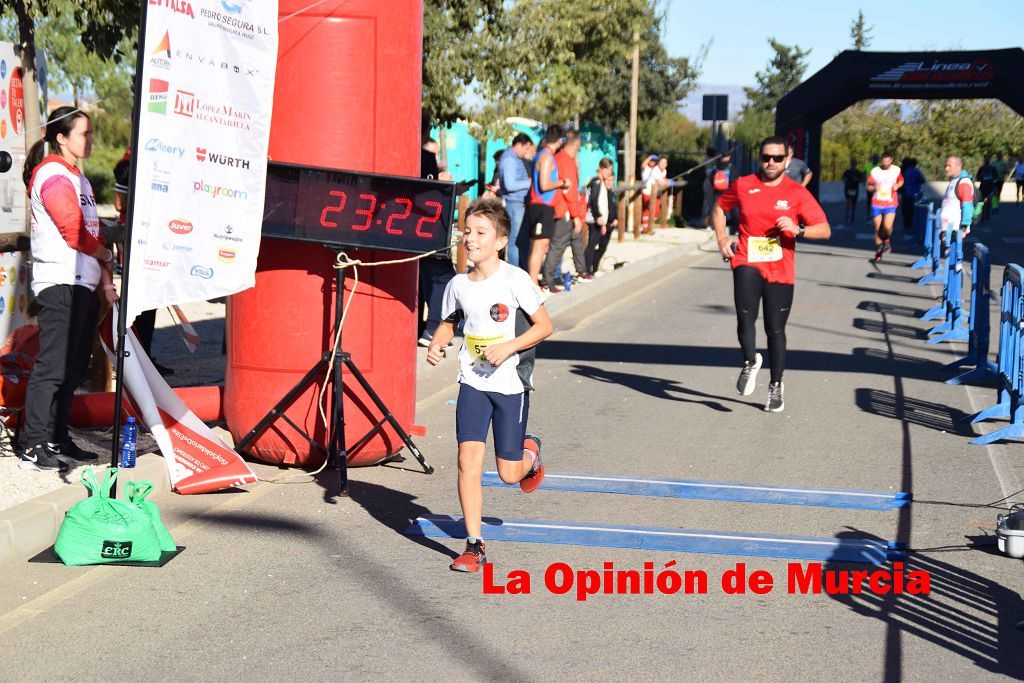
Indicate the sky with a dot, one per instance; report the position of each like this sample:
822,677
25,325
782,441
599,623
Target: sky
740,29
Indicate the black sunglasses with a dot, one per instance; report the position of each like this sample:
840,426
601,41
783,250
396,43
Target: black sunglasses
777,158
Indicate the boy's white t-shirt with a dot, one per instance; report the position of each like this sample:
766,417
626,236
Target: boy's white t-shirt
491,308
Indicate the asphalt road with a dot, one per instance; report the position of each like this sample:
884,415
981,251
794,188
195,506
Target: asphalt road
285,583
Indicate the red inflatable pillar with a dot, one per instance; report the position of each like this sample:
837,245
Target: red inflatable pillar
347,96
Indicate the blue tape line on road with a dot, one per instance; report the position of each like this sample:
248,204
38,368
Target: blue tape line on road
866,551
709,490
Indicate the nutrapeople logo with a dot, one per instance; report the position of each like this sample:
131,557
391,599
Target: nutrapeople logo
121,550
158,95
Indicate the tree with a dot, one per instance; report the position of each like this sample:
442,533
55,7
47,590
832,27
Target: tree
860,34
101,26
784,72
457,36
670,131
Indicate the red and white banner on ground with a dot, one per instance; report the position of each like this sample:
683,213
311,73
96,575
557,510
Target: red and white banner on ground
197,460
204,130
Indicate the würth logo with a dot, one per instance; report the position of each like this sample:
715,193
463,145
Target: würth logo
221,159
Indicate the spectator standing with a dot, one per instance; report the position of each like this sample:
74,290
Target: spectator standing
435,271
69,261
602,216
514,180
540,211
653,175
913,182
957,211
852,178
570,210
1018,176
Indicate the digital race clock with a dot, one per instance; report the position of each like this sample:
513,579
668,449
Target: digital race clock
354,209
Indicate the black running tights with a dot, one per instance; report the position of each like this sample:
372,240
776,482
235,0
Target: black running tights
749,290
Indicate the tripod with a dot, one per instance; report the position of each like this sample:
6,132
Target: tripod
337,450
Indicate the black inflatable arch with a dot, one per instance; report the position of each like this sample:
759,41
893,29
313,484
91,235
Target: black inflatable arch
853,76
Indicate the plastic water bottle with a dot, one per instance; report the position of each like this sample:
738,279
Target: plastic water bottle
568,282
129,436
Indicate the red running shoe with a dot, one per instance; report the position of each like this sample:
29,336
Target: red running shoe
471,559
531,481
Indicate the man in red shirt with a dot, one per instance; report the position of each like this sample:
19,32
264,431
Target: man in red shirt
774,211
569,210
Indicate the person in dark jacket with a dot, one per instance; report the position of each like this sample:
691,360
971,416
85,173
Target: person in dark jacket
602,215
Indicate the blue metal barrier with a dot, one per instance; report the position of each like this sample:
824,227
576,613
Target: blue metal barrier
1011,361
935,258
984,371
922,226
952,296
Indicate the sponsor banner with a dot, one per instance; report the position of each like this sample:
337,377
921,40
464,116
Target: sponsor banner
204,129
12,141
197,460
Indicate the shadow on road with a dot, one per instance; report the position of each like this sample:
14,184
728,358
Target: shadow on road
935,416
958,615
657,387
894,329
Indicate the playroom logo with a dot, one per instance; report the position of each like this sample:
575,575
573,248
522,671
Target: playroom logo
810,579
218,190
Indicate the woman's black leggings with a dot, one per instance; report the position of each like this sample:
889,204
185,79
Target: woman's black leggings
749,290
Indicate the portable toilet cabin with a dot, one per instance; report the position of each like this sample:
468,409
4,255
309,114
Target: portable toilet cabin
596,143
462,152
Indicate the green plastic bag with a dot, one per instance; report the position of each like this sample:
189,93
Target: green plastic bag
101,529
137,492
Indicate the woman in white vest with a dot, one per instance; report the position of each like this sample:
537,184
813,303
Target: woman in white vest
69,261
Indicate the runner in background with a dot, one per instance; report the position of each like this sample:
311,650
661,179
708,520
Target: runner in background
1018,176
798,170
1002,168
772,209
987,176
884,182
852,178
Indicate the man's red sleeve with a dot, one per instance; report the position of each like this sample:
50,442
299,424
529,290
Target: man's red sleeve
729,198
61,201
965,191
810,211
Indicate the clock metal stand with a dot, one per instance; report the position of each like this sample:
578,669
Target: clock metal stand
337,450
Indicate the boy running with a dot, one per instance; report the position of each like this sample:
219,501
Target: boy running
495,366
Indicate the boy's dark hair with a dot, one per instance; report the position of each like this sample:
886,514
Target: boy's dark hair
605,163
493,210
887,154
774,140
522,139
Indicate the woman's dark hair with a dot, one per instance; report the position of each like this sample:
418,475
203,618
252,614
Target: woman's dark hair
60,122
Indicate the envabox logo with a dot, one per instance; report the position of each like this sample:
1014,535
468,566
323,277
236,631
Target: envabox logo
176,6
180,227
193,57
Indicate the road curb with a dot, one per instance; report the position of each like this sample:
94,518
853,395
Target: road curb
32,526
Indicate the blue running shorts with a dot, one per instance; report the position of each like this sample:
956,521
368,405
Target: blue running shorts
506,414
882,210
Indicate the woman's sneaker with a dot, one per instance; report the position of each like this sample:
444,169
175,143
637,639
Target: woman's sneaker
747,380
531,481
71,454
471,559
775,403
41,457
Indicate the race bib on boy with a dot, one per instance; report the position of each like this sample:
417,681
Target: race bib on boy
763,249
476,345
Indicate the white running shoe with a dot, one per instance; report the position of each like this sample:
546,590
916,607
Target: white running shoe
775,403
747,380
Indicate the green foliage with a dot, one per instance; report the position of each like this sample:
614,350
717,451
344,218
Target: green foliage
929,130
860,32
784,72
547,59
670,131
